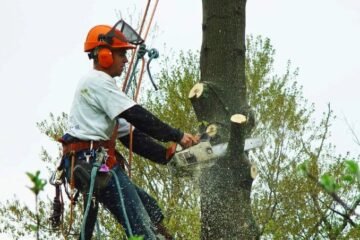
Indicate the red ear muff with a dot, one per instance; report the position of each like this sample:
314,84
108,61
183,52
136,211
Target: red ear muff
105,58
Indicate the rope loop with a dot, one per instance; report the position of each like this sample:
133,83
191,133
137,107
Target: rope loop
153,53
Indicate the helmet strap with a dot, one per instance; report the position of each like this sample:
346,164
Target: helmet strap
91,55
94,54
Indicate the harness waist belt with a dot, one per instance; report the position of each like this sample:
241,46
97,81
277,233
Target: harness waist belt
86,145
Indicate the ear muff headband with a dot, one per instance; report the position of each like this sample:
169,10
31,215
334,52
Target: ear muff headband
104,57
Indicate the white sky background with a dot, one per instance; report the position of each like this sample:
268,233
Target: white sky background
41,60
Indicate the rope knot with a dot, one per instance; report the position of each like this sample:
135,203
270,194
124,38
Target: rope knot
142,51
153,53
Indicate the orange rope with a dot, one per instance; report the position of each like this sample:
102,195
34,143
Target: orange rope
131,127
72,186
140,80
143,61
151,18
130,150
144,17
129,69
135,50
137,91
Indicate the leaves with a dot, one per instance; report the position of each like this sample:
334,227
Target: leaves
136,238
348,178
39,183
329,183
303,168
55,127
352,167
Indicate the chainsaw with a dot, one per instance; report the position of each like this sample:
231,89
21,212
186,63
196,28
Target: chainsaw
189,162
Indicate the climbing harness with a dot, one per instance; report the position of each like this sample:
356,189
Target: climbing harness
78,171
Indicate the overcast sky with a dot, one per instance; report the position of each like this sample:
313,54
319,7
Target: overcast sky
41,61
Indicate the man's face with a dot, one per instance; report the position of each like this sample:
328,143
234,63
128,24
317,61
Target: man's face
120,59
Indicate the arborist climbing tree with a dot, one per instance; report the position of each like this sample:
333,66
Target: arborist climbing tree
99,115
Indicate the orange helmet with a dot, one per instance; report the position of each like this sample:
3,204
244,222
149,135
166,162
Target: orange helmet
103,35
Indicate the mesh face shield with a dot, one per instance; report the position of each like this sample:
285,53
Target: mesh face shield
123,32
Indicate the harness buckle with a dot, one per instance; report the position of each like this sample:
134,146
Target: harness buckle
57,177
101,157
87,157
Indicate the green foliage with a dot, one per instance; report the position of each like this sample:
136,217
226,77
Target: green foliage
343,188
282,115
329,183
136,238
171,102
352,170
288,205
39,183
303,168
54,127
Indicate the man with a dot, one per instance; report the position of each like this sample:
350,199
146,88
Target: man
101,113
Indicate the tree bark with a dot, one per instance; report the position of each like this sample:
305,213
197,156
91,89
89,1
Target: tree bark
218,100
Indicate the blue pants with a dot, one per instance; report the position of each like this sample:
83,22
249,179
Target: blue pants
138,215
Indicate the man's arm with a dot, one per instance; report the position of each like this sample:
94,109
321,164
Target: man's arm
146,147
146,122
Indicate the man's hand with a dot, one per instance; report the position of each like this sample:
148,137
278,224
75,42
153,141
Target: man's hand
188,140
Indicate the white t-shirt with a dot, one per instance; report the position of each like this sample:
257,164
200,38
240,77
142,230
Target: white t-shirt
97,103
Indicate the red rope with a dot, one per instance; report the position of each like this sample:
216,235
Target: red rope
137,91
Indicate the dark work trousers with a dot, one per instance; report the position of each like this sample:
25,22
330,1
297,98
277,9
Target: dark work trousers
134,209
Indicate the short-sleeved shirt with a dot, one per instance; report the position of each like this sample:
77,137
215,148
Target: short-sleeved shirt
97,103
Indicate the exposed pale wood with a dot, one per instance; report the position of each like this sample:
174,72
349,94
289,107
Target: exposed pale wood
197,90
211,130
237,137
207,105
238,118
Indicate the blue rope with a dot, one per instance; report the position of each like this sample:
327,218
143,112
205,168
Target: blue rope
132,77
97,230
91,190
140,54
88,204
153,54
122,202
94,171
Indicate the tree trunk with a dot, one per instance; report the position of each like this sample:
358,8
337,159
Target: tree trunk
220,103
